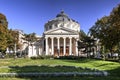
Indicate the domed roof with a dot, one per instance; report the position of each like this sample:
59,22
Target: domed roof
62,20
62,14
62,17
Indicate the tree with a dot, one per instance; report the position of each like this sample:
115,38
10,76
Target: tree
107,29
81,43
82,35
86,42
8,38
13,38
115,22
3,32
30,37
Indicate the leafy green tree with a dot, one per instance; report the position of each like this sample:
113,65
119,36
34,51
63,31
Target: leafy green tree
82,35
87,42
107,29
3,32
13,39
8,38
30,37
115,23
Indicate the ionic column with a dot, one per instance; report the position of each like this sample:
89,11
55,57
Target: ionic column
43,44
52,41
64,46
70,47
46,40
76,47
58,46
58,43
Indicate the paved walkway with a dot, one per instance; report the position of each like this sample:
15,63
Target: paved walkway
54,74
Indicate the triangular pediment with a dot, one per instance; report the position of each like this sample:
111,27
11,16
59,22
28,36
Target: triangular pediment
61,30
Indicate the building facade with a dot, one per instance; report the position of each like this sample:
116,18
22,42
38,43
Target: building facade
61,35
60,38
35,48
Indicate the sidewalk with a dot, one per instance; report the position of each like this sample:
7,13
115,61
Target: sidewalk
54,74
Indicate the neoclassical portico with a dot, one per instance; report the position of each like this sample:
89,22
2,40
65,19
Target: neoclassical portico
61,46
61,35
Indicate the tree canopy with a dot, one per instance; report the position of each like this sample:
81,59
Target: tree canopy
3,32
30,37
107,29
8,37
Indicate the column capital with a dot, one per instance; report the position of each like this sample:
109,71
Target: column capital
46,37
52,37
70,37
64,37
58,37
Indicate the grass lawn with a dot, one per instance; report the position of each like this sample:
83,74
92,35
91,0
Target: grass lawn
34,65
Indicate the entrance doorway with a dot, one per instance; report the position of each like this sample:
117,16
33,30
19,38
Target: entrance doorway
61,51
67,51
55,51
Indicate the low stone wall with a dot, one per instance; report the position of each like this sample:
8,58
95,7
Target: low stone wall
54,74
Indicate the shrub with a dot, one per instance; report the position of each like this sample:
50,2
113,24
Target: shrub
41,57
48,57
33,57
68,57
9,55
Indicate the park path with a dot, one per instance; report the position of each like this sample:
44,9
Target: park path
54,74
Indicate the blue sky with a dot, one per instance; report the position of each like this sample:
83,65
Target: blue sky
31,15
